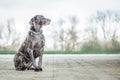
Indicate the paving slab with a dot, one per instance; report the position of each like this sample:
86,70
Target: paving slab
66,67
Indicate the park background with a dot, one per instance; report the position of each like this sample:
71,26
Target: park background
77,26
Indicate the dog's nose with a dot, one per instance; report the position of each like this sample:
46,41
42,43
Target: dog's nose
49,20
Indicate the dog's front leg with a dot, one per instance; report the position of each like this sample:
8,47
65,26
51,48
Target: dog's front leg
40,63
30,51
32,58
29,66
40,59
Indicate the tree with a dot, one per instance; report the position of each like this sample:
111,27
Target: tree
61,33
104,23
58,35
71,34
101,18
8,34
104,26
66,36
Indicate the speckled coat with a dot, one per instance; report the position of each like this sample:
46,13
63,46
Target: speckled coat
33,46
33,37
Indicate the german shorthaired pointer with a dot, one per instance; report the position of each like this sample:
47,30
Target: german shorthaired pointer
33,46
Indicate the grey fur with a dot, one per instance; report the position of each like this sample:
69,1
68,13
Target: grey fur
33,46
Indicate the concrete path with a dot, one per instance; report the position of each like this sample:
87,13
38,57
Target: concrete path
65,67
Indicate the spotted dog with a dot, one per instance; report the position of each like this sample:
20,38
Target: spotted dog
33,46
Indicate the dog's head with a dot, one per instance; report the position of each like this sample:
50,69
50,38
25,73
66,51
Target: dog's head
38,21
19,62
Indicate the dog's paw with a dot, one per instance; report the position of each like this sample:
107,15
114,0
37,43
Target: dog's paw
38,69
30,69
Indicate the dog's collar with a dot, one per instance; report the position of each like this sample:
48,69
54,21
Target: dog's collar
37,33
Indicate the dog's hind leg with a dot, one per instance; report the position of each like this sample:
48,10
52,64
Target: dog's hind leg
29,66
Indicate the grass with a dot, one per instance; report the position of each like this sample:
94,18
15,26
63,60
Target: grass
80,52
7,52
65,52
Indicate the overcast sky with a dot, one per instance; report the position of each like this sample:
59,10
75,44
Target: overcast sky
22,10
25,9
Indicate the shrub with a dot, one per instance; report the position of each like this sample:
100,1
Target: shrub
113,46
91,46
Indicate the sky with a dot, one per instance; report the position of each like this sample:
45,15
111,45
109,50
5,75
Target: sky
23,10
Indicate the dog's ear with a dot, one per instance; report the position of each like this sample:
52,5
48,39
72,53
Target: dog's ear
31,22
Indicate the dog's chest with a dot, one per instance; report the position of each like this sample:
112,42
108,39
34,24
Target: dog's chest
36,37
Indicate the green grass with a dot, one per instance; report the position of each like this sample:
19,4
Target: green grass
80,52
65,52
7,52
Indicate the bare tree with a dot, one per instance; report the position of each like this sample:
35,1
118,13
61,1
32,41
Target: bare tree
66,37
105,23
92,29
61,33
1,28
101,18
72,34
9,36
58,36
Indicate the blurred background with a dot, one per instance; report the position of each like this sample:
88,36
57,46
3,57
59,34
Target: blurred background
83,26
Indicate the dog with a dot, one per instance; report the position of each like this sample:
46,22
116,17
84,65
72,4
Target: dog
32,47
